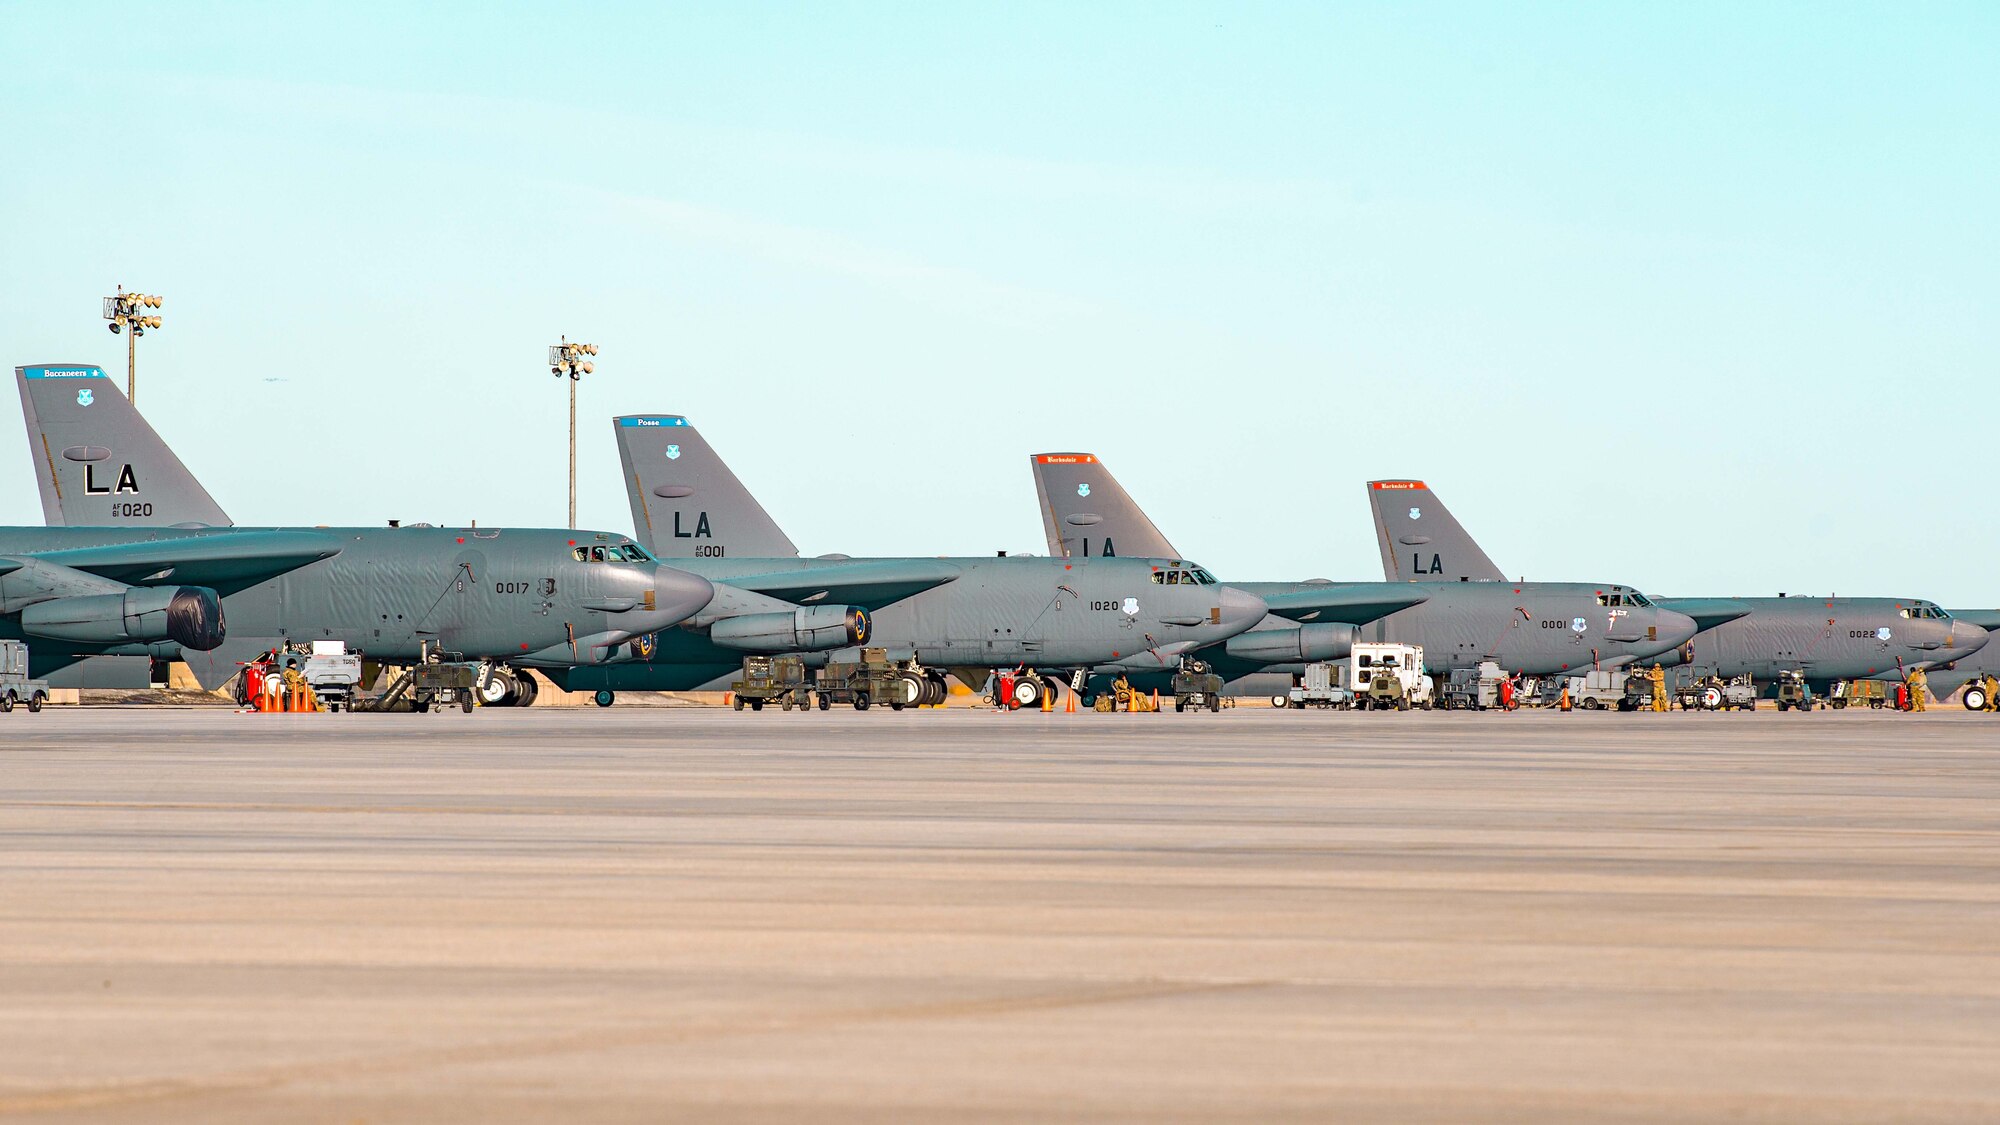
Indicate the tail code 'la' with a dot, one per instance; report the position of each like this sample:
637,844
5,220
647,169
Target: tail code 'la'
1420,540
97,460
1086,512
686,503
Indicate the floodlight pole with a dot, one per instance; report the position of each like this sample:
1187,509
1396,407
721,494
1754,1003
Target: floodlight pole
127,313
570,359
572,453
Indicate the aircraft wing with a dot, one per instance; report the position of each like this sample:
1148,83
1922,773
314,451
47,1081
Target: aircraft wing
1984,618
225,562
1343,603
870,584
1707,612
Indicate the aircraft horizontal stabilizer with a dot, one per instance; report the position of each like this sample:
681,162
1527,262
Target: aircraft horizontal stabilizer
1342,604
226,562
868,583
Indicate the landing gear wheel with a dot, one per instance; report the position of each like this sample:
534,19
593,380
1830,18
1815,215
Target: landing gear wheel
500,689
605,697
1281,702
1027,693
916,691
530,687
1975,699
1087,700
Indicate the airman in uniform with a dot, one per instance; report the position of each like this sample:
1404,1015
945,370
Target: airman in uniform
1992,686
1658,676
1919,688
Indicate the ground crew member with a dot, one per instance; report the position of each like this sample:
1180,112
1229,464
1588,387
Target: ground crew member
1659,677
295,690
1121,690
1918,683
1992,686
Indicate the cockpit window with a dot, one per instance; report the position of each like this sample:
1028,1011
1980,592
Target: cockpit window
1203,577
624,552
1926,612
1640,599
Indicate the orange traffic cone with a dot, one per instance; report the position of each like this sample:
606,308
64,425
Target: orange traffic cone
1069,703
1156,699
1564,703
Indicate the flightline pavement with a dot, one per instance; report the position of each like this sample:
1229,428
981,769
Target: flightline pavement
965,915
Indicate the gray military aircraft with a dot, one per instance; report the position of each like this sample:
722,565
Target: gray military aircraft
966,615
1826,639
156,564
1534,628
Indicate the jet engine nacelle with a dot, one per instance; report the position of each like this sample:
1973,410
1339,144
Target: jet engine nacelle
1300,643
190,616
802,630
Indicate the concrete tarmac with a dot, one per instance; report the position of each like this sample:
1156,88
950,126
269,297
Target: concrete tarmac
966,916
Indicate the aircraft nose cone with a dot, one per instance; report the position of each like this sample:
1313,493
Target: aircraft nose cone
677,596
1966,639
1240,610
1676,629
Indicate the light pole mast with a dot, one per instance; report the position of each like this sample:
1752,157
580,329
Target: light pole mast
126,310
568,359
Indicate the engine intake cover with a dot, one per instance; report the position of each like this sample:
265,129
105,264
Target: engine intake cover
808,629
1295,644
190,616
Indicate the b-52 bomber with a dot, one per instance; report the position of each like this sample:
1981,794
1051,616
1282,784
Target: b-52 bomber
1824,639
967,615
142,561
1536,628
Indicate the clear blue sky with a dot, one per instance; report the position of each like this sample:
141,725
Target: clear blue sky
1698,297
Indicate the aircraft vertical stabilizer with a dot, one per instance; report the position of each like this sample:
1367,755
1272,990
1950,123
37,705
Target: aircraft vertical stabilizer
97,460
1420,540
1086,513
686,503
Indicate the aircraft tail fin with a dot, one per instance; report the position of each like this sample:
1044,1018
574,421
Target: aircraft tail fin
1420,540
98,461
686,503
1086,512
